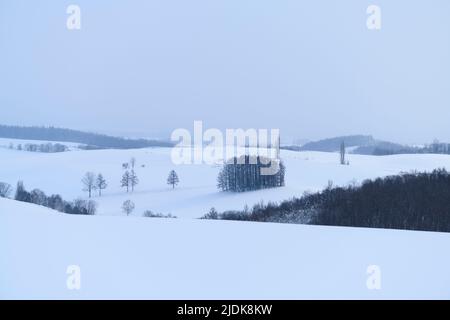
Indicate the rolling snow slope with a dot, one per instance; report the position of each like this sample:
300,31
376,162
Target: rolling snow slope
197,193
136,257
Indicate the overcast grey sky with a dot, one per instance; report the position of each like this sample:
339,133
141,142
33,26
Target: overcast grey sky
310,68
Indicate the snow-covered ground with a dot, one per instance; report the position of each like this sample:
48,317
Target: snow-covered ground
197,192
137,257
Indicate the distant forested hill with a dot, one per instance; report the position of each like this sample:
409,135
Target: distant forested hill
367,145
93,140
334,144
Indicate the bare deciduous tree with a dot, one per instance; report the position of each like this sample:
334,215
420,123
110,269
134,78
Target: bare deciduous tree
128,207
89,183
5,190
134,180
38,197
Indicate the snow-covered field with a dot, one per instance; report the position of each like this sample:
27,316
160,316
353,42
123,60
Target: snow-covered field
137,257
197,192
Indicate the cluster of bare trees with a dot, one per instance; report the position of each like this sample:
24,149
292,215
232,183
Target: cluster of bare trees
129,177
55,201
92,182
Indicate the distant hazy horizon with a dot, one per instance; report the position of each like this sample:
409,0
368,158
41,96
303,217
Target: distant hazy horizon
309,68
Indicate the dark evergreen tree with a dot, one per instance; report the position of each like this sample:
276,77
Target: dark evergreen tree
172,179
21,193
342,153
125,182
101,184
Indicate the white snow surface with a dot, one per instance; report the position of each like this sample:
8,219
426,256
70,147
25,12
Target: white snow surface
154,258
196,193
185,258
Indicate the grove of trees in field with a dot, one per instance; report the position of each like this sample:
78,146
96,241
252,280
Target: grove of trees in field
246,174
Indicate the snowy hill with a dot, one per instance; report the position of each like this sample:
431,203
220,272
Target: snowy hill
136,257
333,144
358,144
197,192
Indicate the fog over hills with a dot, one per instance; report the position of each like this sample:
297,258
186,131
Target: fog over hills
309,68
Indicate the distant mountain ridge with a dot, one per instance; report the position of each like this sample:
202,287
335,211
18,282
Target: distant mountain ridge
92,140
361,144
367,145
333,144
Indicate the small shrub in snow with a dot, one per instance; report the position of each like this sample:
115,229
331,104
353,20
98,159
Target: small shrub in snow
212,215
150,214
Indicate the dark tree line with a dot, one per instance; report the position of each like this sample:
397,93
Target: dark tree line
55,201
413,201
246,174
43,147
434,148
68,135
